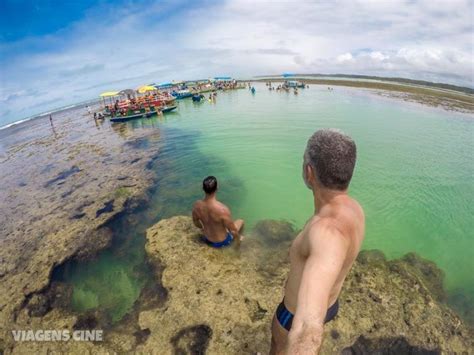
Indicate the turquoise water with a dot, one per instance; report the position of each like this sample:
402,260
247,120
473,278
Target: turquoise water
414,178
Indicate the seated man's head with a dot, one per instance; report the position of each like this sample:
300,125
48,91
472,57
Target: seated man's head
329,160
209,185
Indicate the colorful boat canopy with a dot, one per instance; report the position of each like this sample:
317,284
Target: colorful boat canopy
164,85
145,88
109,93
222,78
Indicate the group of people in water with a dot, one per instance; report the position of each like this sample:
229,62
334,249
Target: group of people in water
213,96
286,87
98,116
321,255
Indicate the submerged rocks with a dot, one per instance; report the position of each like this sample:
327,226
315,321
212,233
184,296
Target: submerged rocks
57,295
273,233
221,302
427,271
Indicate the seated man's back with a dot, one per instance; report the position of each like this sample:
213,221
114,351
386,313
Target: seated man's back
214,218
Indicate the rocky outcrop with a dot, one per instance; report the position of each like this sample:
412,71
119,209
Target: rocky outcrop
222,301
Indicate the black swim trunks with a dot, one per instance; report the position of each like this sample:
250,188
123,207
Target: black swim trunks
285,317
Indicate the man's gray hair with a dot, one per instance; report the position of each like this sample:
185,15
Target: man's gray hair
332,154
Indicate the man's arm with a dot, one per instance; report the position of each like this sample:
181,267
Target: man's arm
197,222
327,252
230,225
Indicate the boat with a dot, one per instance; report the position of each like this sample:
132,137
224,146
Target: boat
294,84
165,109
166,99
133,116
206,88
181,94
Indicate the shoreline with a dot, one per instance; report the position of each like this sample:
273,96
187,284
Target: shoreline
57,110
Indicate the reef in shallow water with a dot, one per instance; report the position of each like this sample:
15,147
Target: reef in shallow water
54,212
224,300
221,301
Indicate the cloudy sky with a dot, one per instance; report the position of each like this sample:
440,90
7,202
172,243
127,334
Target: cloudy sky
54,53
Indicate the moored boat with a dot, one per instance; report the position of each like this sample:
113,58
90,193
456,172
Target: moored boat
206,88
182,94
294,84
133,116
170,108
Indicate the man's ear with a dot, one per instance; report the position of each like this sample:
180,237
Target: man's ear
310,174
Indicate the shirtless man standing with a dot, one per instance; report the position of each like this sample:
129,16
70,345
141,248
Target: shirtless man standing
322,255
214,218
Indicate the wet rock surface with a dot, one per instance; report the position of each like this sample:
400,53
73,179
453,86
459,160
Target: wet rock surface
52,212
386,346
221,300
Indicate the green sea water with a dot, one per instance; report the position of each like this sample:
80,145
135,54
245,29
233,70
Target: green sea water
414,178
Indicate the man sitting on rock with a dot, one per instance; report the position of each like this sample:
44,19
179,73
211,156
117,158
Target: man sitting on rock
322,255
214,218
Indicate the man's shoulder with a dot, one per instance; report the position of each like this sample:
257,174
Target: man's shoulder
354,208
317,223
197,204
327,229
222,207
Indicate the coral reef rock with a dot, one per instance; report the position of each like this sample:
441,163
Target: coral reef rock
221,301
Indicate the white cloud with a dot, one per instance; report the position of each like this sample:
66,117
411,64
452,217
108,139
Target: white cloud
378,56
125,46
346,57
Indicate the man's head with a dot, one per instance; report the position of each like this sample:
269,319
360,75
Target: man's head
329,160
209,185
